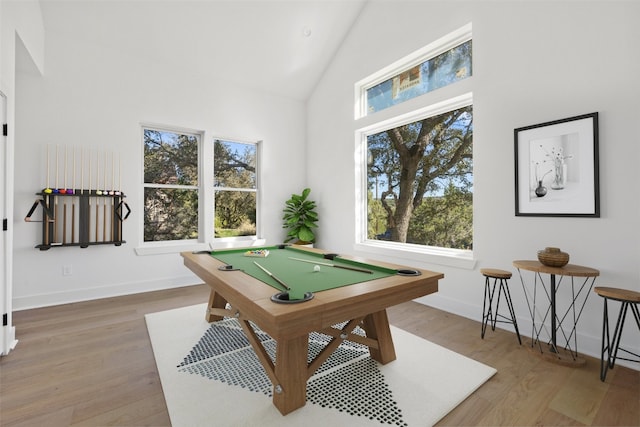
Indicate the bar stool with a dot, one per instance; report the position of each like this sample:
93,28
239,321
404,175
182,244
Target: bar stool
500,278
628,298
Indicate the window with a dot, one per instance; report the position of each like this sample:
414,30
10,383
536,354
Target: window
420,181
235,184
170,185
442,70
417,171
198,191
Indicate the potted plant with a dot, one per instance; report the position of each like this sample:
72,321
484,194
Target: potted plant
300,218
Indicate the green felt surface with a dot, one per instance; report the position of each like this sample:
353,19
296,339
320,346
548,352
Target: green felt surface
299,275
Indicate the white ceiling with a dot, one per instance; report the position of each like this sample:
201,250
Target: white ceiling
279,46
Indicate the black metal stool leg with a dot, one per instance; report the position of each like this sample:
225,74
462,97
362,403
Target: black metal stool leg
617,334
486,311
605,348
498,282
512,311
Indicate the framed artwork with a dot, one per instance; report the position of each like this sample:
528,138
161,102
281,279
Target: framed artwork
556,168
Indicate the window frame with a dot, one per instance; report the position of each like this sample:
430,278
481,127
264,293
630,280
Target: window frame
237,240
413,59
426,105
206,239
171,243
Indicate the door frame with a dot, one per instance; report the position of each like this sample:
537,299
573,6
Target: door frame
7,330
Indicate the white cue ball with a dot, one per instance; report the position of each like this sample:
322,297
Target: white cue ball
316,268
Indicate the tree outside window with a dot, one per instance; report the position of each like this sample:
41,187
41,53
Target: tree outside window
173,191
170,185
420,182
235,188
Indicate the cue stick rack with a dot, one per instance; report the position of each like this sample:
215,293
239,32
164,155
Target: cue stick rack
99,220
81,217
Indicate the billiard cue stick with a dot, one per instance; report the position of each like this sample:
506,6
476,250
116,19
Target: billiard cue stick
64,173
81,170
47,229
64,222
119,193
89,208
112,193
104,206
68,190
48,190
273,277
119,190
98,192
64,201
55,202
55,222
344,267
73,201
57,189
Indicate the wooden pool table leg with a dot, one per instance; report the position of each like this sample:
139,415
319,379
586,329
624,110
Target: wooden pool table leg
291,371
215,301
376,326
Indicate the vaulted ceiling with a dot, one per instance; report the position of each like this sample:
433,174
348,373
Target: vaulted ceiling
278,46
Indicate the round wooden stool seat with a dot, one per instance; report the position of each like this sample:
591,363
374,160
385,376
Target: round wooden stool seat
496,273
618,294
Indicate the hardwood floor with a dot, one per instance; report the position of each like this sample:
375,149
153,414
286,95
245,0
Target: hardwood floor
91,364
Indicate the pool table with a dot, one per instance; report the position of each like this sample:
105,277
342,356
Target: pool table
285,295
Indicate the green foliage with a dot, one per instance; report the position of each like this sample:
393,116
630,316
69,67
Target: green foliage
422,177
300,218
170,159
170,214
234,165
235,183
445,221
233,209
244,229
377,217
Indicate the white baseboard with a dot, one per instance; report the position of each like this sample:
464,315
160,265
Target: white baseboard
10,340
87,294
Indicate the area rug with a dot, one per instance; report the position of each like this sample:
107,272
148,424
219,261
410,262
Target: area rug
211,377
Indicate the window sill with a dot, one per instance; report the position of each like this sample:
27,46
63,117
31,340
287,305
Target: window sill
170,248
426,255
174,247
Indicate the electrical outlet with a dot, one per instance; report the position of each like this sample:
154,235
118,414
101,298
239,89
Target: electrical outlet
67,270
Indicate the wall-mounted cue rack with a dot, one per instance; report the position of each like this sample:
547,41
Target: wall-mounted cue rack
81,218
84,217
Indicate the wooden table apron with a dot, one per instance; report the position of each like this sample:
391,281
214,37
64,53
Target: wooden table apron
570,270
361,304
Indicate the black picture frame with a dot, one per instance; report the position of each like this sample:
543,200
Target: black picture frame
557,168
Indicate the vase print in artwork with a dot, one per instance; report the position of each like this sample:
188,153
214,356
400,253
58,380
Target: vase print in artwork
539,189
549,164
559,169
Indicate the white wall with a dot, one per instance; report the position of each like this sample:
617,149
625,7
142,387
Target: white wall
533,62
95,97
